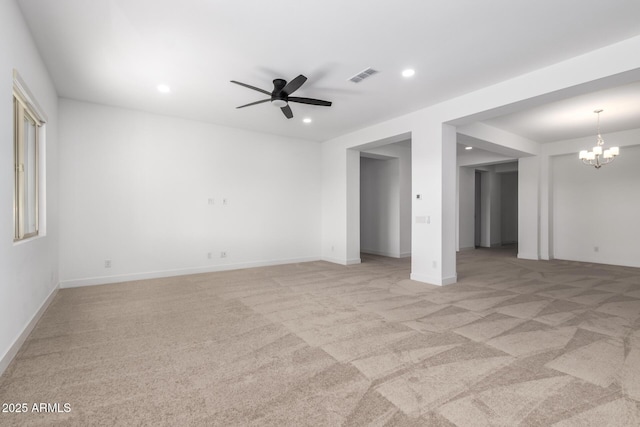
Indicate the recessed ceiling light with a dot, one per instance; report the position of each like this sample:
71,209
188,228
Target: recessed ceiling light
164,88
306,120
408,72
468,148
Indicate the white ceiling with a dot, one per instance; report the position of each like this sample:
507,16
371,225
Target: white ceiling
116,52
574,117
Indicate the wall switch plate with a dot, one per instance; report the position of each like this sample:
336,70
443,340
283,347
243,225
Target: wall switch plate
223,254
107,263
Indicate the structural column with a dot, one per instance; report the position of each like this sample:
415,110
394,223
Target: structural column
434,203
529,207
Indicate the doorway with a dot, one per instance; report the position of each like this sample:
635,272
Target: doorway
491,206
385,200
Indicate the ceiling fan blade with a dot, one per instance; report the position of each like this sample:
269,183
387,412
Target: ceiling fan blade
310,101
254,103
251,87
286,110
294,84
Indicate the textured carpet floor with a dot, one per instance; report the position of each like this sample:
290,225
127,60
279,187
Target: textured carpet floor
513,343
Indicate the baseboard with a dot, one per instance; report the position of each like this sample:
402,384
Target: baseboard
524,255
351,261
439,281
384,253
104,280
467,248
17,344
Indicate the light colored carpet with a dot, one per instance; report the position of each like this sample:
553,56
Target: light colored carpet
513,343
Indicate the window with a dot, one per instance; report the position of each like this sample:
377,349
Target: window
27,126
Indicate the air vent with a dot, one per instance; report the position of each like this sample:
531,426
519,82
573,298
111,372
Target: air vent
363,75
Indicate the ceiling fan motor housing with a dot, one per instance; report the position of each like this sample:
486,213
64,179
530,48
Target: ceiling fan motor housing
278,97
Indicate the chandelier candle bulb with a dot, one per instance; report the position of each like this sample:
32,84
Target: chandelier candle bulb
582,155
614,150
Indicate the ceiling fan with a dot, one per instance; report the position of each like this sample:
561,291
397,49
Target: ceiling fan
280,95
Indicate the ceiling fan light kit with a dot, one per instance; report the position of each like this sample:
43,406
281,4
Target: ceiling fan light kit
598,156
280,95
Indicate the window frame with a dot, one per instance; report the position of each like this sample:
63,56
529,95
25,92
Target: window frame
27,180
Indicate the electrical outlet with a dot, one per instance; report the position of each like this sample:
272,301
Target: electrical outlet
223,254
596,249
107,263
225,201
209,255
211,201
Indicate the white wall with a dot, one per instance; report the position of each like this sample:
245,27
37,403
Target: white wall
28,270
495,213
485,207
598,208
509,207
466,207
135,190
490,206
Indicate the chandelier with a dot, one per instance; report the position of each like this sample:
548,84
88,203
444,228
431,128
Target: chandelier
597,156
